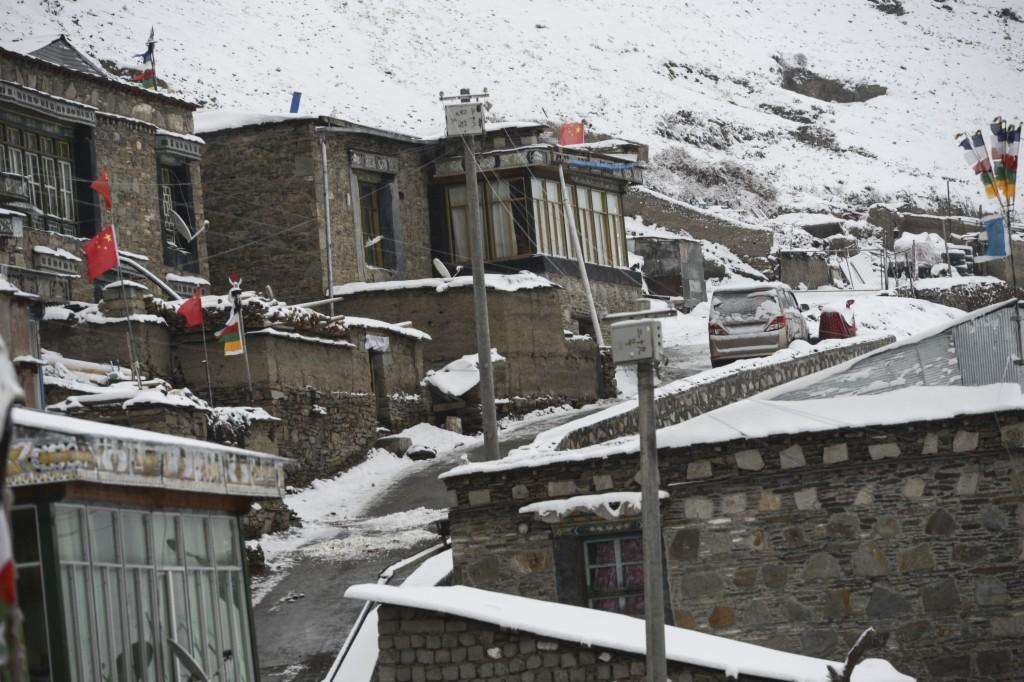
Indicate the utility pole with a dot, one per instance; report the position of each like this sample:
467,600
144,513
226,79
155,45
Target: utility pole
570,225
327,223
465,120
639,342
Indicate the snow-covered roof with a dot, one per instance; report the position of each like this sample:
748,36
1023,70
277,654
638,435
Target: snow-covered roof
380,325
212,120
458,377
605,630
295,336
61,52
941,283
59,253
636,228
188,279
91,314
7,211
507,283
97,452
127,283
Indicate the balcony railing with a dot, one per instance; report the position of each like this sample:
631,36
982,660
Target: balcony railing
13,187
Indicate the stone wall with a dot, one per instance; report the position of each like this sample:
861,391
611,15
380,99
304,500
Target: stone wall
749,243
709,395
799,542
264,189
126,147
260,193
114,96
176,421
969,296
419,645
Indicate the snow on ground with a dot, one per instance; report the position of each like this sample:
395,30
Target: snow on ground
880,315
707,100
618,632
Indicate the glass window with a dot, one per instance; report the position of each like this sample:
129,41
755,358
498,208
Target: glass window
196,551
377,223
615,574
70,535
30,591
135,530
459,222
177,217
165,540
225,540
101,536
67,194
50,186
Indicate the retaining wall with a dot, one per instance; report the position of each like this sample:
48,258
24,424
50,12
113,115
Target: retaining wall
700,398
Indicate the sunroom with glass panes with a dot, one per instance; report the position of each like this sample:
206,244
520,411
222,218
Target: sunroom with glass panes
523,216
128,553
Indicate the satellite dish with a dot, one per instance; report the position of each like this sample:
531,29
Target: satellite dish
182,228
441,269
190,664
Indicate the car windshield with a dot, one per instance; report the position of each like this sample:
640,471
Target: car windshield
745,307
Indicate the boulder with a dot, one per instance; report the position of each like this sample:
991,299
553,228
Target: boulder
420,452
396,445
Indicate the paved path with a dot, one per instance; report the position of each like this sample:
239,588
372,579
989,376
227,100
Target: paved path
297,640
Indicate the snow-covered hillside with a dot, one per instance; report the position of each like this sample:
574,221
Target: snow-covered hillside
700,80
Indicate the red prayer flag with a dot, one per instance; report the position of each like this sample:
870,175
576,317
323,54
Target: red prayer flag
102,187
571,133
192,310
101,253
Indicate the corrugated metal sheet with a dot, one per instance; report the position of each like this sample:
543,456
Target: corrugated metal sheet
985,346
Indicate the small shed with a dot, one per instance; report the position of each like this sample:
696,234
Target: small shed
672,263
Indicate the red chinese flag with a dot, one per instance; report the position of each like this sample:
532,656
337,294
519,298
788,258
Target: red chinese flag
101,253
101,186
571,133
192,310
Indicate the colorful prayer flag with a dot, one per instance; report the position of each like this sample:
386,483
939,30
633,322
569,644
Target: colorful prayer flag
148,76
1010,158
571,133
977,157
231,334
998,149
101,253
101,186
192,309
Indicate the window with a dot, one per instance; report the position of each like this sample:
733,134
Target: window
134,581
50,186
378,224
598,219
45,163
30,591
505,214
177,217
615,574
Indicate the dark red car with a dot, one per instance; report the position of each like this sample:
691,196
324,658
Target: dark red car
836,322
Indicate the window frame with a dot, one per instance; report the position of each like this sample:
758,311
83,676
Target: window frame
622,593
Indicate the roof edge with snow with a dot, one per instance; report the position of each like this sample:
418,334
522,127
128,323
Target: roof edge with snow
605,630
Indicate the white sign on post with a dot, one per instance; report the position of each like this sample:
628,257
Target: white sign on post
464,119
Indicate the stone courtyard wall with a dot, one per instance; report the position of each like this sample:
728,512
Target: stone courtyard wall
717,392
798,542
416,644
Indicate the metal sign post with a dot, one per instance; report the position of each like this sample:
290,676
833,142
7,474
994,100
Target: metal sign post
465,120
639,342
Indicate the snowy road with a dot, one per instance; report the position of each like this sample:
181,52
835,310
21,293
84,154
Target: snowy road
298,639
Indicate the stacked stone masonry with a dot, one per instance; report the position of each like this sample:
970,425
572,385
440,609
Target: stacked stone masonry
711,395
421,646
800,542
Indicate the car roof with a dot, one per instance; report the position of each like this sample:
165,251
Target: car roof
740,288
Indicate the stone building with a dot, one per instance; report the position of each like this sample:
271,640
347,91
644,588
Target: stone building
63,118
883,492
397,202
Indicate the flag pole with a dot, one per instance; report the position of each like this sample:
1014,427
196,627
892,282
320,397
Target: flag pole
236,293
206,354
132,348
152,51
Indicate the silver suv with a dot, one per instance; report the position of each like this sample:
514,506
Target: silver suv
752,321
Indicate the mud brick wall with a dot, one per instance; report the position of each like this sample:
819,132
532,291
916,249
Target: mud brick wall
416,644
526,328
609,297
750,244
109,343
800,542
807,268
710,395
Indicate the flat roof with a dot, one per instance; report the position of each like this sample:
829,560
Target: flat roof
54,448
